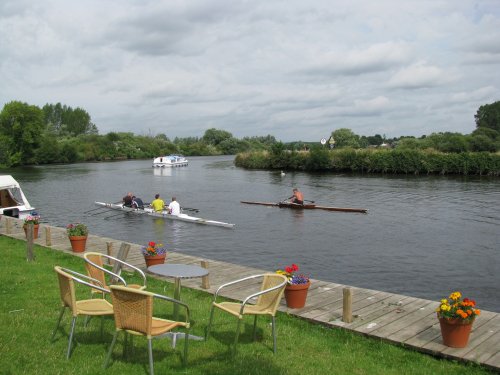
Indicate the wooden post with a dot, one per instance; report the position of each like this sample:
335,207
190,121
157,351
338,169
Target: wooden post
347,305
205,282
30,231
8,225
122,255
48,237
109,250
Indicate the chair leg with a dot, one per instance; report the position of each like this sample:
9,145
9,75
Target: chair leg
255,327
108,357
125,344
210,322
274,333
186,339
150,350
58,322
237,335
73,323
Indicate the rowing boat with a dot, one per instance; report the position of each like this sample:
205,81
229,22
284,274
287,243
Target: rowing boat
307,206
163,214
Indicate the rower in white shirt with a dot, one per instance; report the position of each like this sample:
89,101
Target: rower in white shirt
174,207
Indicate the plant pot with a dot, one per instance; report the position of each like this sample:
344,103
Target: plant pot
35,230
455,332
296,295
78,243
151,260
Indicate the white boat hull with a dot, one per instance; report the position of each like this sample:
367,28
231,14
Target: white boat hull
164,214
170,161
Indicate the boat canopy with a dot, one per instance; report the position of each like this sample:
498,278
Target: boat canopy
11,195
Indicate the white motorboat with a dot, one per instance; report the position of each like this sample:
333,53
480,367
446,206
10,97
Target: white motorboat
170,161
13,202
163,214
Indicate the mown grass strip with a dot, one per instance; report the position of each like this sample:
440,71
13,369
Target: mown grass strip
29,300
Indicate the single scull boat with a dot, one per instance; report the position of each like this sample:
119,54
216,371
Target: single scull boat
307,206
164,214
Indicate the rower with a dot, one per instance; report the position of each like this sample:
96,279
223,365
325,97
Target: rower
297,197
158,203
174,207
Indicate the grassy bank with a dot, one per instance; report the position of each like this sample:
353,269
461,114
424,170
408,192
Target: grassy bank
30,305
375,161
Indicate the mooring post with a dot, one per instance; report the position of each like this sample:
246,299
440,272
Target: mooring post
48,237
347,305
8,225
109,250
30,231
205,282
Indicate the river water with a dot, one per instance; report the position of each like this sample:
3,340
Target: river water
424,236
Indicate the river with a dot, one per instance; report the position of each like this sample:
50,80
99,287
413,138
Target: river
424,236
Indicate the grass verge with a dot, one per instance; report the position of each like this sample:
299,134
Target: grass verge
29,301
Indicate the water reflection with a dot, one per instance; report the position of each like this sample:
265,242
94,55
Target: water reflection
162,172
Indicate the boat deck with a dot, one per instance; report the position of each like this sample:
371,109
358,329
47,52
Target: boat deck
400,319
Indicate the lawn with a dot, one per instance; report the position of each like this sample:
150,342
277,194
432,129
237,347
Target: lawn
30,305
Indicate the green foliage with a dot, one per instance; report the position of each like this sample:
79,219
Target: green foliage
345,138
215,136
398,161
488,116
64,120
21,126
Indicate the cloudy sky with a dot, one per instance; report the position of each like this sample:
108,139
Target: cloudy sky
294,69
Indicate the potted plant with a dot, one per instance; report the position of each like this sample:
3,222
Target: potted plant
34,219
77,234
296,288
154,253
456,315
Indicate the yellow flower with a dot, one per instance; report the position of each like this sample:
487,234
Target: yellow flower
444,301
455,296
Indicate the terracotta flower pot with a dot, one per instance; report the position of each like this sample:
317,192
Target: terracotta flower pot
296,295
78,243
151,260
35,230
455,332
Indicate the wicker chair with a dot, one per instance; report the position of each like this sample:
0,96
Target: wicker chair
133,310
268,300
88,307
94,263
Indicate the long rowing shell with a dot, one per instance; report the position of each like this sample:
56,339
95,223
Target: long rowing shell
307,206
164,214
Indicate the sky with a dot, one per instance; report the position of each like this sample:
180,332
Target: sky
294,69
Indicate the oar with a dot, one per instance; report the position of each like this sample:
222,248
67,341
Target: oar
94,209
121,213
190,209
305,200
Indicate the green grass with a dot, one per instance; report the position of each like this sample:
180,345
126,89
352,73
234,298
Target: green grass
29,300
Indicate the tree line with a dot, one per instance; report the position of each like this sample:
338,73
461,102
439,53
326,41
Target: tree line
58,133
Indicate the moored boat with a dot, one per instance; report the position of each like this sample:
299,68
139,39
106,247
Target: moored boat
164,214
13,202
307,206
170,161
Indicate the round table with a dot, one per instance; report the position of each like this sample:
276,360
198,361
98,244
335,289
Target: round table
178,271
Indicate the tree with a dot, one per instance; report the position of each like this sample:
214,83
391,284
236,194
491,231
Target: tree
214,136
345,138
488,116
22,125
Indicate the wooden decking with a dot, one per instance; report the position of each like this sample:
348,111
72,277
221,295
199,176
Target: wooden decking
400,319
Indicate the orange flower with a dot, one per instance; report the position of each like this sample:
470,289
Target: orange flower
477,311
